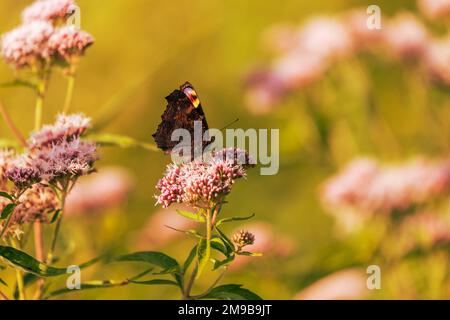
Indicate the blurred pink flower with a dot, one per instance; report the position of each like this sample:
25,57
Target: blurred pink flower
426,228
363,37
434,9
281,38
299,69
48,10
368,187
35,204
348,284
266,241
69,42
156,233
349,187
264,90
437,60
27,44
108,188
325,38
406,37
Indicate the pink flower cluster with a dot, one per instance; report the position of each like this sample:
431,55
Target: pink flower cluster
200,184
66,160
306,53
27,45
68,42
39,42
35,204
425,228
56,152
66,127
369,187
49,10
434,9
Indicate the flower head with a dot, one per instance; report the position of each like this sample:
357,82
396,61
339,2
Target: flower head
69,42
34,204
108,188
49,10
243,238
234,156
66,159
405,37
434,9
198,183
22,172
369,187
66,128
27,44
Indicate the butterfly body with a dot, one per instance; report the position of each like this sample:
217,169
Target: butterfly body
182,111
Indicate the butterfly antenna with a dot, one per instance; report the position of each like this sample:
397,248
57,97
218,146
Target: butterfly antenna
230,124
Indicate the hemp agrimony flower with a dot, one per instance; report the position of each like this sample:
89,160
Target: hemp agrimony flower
49,10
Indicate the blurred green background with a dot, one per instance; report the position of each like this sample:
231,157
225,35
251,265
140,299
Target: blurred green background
144,49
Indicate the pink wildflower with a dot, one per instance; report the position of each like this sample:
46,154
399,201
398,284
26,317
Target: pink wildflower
49,10
27,44
69,42
66,127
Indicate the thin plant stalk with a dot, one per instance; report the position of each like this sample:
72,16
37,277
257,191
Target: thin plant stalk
41,88
8,120
190,284
19,276
64,193
69,93
3,295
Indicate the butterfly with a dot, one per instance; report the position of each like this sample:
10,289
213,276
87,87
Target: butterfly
182,111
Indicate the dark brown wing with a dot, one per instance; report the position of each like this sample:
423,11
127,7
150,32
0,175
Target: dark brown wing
180,113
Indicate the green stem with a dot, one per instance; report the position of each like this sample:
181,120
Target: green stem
19,276
42,86
208,291
190,284
69,93
12,126
57,228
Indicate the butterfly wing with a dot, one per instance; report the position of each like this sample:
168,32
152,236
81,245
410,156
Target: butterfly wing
183,109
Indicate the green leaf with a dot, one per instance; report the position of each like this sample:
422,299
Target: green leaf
191,215
223,263
231,292
29,264
227,242
121,141
97,284
191,233
203,255
234,219
55,216
157,259
6,195
190,258
7,211
217,244
18,83
156,282
250,254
